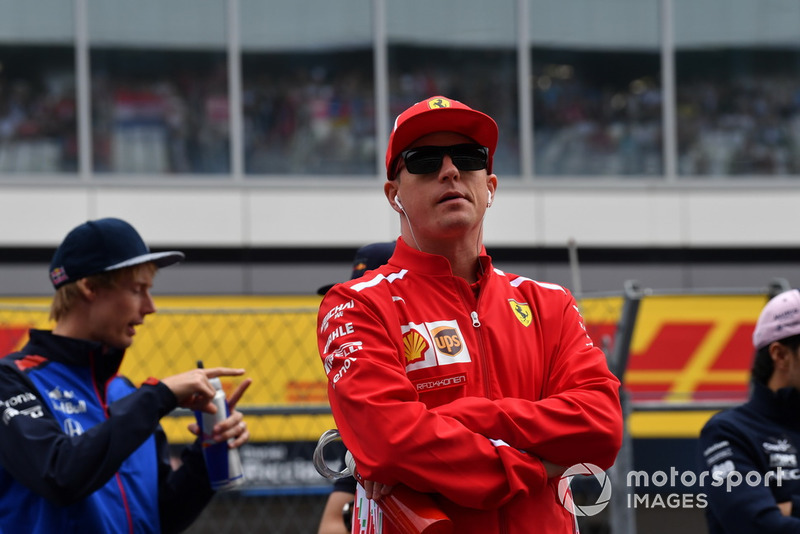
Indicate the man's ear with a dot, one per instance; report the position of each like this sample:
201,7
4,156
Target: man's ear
86,289
491,184
390,190
780,355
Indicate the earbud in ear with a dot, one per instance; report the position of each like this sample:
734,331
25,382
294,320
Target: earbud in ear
489,202
397,201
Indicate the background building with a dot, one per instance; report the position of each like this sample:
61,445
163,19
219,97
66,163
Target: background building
662,136
655,140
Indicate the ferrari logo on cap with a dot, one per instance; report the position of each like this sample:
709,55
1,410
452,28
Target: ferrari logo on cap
522,311
435,103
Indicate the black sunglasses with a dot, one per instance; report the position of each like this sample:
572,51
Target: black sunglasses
427,159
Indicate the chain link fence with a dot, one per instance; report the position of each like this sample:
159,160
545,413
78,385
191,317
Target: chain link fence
286,407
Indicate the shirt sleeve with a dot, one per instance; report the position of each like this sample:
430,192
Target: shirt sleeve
580,404
183,493
739,507
393,436
66,469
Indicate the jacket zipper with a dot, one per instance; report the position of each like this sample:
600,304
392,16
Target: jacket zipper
475,321
467,299
502,519
102,400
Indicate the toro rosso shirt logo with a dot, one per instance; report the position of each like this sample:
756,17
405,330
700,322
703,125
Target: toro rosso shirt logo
433,344
65,401
20,405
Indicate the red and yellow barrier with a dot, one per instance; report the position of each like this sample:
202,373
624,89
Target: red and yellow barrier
685,348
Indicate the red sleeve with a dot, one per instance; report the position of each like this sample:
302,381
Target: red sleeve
394,437
579,417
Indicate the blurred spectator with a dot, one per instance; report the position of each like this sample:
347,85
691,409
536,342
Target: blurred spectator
38,128
595,113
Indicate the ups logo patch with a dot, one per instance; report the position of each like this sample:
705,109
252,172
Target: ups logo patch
447,340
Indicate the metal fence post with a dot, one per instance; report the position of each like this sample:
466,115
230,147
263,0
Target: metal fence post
622,519
777,285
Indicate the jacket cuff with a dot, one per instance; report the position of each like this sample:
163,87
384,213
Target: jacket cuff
168,400
796,506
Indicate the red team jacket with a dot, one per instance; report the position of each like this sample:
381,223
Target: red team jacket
460,397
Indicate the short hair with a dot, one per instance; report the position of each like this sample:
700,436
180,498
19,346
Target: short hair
763,366
66,295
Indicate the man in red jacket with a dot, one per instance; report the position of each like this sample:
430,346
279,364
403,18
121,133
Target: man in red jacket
450,376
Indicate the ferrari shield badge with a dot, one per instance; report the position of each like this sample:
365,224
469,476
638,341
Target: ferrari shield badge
522,311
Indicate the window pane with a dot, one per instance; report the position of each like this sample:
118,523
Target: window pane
462,49
308,87
596,87
38,121
159,78
738,87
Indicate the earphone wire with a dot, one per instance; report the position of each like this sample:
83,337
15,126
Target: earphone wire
478,245
411,228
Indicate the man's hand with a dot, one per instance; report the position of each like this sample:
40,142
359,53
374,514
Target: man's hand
234,426
194,390
785,508
376,490
552,470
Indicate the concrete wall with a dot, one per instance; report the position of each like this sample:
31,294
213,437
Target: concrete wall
620,214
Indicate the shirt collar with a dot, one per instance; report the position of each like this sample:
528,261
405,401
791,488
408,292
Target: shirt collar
105,361
782,405
432,264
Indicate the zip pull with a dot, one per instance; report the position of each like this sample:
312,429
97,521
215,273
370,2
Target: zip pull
475,322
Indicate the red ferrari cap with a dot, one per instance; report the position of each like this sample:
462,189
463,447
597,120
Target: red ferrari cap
440,114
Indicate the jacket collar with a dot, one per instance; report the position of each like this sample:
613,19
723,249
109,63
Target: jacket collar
782,405
431,264
103,360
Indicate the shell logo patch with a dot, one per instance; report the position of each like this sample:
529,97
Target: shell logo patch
438,103
433,344
414,347
522,311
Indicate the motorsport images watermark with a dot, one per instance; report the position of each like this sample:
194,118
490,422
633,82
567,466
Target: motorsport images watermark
636,480
565,496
